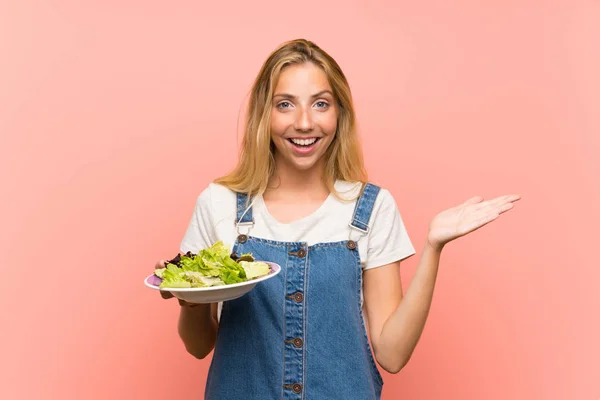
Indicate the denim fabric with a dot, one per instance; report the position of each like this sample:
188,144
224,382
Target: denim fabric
301,334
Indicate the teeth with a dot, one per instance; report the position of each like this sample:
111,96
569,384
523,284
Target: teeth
304,142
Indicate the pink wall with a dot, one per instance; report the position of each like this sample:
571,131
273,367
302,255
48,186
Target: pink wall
114,115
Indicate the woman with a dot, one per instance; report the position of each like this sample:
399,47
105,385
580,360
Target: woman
299,197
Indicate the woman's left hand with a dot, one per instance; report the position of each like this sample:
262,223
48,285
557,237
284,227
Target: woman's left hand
466,217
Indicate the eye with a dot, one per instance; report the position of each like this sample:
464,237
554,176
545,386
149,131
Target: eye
284,104
322,104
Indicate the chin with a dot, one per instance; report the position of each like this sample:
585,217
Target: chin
303,165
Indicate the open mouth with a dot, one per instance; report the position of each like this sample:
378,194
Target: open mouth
304,143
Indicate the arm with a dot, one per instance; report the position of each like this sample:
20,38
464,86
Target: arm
198,323
396,321
198,327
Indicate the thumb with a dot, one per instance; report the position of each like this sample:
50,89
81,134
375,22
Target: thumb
163,293
474,200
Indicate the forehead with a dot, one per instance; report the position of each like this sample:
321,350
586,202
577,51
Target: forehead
299,78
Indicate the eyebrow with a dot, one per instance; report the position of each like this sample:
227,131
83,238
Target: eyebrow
291,96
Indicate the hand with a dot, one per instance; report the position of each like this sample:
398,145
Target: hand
168,295
164,294
466,217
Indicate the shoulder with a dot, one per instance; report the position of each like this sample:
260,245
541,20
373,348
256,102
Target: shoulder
350,191
385,200
214,195
388,239
215,201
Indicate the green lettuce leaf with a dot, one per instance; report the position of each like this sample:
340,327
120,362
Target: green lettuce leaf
211,266
255,269
173,277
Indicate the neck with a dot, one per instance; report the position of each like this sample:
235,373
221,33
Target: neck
291,180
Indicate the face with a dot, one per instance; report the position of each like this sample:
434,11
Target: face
303,117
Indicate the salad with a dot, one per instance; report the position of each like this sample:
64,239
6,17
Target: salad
213,266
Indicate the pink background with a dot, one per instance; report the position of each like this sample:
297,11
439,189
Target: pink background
114,115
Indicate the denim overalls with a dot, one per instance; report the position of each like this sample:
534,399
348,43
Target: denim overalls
301,334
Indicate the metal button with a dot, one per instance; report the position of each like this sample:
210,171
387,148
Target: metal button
297,342
298,297
351,244
297,388
301,253
242,238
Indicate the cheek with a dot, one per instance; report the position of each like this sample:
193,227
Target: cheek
329,123
278,124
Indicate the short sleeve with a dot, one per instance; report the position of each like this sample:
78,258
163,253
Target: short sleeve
200,232
388,239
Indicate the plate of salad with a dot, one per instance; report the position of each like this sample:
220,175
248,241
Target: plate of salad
212,275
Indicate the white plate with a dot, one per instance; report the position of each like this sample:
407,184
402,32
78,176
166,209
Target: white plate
214,294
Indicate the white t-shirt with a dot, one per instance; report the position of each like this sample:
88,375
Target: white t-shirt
387,240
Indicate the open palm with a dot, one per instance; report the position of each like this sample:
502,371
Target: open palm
467,217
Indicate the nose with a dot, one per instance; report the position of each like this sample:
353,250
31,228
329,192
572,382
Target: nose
304,122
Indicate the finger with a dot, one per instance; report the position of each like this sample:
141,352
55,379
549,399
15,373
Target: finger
501,209
509,198
184,303
160,264
166,295
474,200
481,221
497,204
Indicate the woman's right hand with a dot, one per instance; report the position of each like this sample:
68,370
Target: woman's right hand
164,294
168,295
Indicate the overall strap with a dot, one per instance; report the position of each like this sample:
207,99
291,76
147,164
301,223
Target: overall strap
364,208
244,211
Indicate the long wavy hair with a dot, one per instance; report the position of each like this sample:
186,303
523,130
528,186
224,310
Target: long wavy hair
256,164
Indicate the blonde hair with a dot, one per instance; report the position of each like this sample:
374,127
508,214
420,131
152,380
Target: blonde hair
256,165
